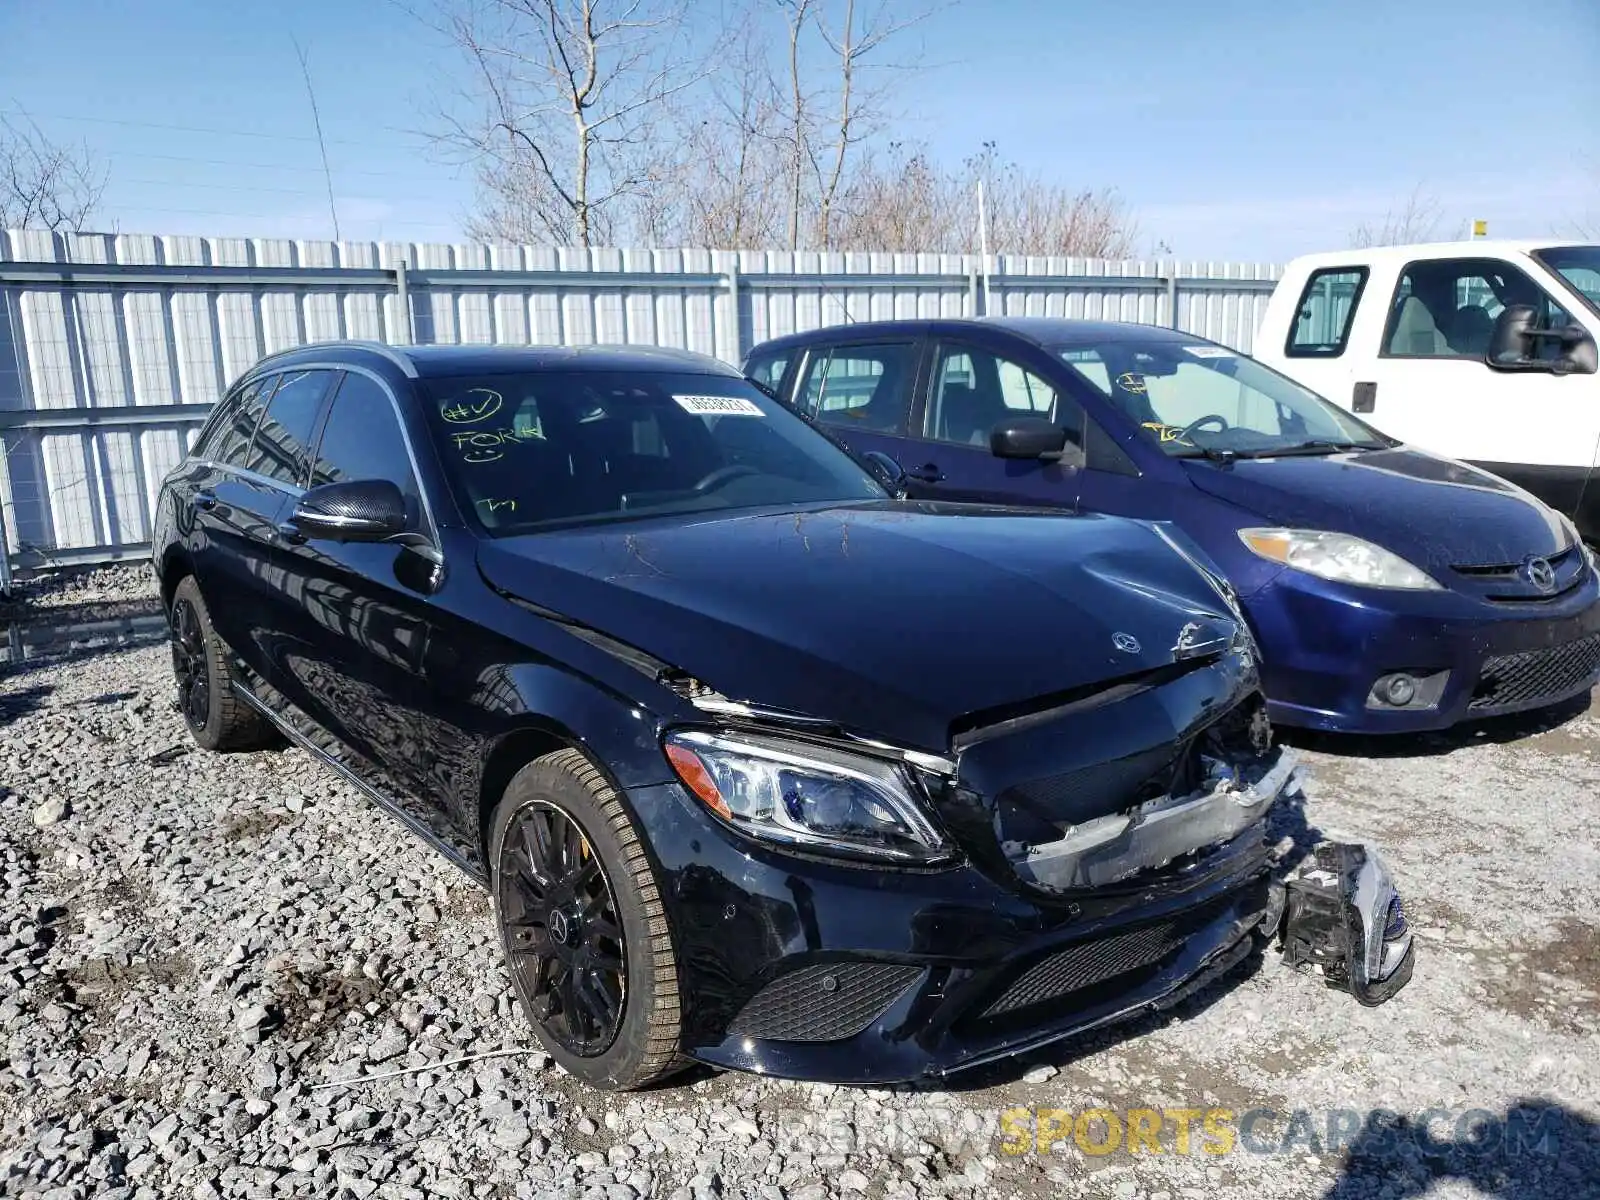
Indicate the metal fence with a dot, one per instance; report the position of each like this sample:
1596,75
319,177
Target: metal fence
113,348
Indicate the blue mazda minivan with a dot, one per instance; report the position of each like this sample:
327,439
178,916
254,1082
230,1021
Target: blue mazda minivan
1390,589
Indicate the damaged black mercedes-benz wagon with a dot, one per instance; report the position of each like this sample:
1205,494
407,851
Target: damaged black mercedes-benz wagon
763,766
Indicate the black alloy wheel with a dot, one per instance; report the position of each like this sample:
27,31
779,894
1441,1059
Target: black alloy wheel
585,935
217,718
563,934
190,669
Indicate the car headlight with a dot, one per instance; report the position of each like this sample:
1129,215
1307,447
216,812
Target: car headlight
806,796
1337,556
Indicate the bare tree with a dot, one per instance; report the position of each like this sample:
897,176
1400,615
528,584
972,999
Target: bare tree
854,36
798,122
1416,220
721,178
903,201
566,92
43,185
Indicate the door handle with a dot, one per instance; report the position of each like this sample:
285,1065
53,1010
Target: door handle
205,500
926,473
1364,397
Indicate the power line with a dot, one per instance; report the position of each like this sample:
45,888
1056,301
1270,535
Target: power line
254,216
178,184
251,166
277,137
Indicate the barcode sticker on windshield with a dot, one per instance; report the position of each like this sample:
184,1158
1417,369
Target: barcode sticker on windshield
1210,352
718,406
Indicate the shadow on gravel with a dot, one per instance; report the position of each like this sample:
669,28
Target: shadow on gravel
53,637
23,701
1536,1150
1511,728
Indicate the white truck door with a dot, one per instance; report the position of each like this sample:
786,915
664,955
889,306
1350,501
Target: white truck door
1424,345
1306,332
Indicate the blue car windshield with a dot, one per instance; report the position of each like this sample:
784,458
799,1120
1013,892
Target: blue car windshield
539,449
1195,398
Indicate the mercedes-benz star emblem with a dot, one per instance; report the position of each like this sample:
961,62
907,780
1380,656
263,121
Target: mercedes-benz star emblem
1125,642
558,926
1539,572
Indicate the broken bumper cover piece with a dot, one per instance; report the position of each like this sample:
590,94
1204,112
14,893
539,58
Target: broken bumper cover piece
1344,917
1114,847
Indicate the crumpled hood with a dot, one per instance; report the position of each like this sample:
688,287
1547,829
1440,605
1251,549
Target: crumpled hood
1432,511
890,619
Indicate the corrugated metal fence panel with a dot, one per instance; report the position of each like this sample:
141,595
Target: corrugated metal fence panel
85,334
1224,313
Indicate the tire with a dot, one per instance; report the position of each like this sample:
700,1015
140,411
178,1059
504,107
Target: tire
610,941
217,719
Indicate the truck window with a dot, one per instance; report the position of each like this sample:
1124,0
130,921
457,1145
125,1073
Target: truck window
1447,308
1327,306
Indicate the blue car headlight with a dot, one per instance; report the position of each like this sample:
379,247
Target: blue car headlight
1341,557
807,796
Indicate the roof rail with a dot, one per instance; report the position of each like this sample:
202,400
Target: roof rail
397,357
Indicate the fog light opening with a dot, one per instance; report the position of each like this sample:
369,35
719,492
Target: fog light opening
1408,689
1400,690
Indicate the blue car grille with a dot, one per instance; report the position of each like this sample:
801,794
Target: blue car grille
1504,583
1537,676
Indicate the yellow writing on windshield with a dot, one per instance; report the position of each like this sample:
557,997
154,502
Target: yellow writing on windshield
479,404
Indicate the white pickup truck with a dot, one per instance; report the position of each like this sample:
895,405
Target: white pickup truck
1483,351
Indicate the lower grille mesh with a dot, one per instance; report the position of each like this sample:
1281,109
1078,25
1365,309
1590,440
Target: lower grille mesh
1536,675
824,1003
1086,964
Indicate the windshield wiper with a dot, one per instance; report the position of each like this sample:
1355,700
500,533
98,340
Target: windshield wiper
1314,446
1211,452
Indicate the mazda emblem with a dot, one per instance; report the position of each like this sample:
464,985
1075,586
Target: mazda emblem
1539,572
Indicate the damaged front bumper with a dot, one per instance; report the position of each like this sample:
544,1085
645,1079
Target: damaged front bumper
1111,848
832,972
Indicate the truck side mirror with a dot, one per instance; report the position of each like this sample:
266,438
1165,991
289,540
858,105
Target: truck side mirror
1514,345
1511,342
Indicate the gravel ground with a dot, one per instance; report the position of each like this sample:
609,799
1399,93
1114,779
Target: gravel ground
201,952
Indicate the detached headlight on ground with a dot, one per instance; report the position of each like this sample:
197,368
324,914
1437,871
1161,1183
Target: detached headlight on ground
1337,556
806,796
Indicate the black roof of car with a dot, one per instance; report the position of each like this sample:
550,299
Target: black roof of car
433,362
1046,331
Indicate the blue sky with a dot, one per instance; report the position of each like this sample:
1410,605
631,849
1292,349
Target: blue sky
1236,129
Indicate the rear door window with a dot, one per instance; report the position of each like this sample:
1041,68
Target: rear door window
1327,307
865,387
233,441
767,369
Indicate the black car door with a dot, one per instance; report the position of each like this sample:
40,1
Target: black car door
253,496
231,514
353,619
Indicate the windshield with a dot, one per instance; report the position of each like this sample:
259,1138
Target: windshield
1579,266
531,450
1193,398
